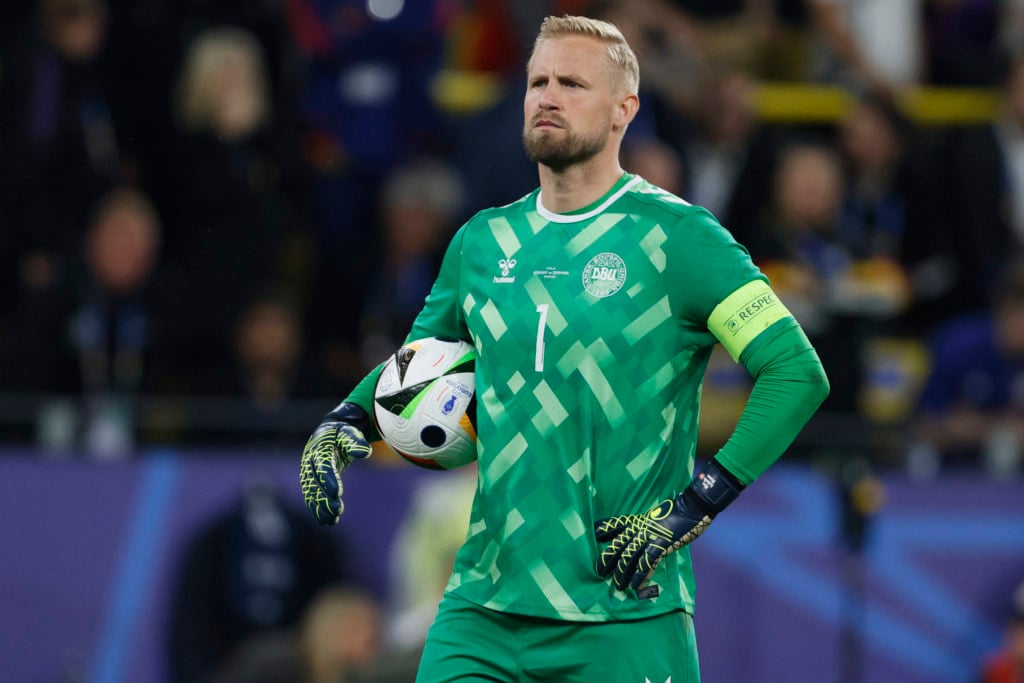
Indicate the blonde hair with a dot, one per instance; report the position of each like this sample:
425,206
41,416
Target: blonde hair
199,89
620,55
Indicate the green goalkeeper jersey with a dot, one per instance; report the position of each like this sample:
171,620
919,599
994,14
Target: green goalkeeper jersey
592,336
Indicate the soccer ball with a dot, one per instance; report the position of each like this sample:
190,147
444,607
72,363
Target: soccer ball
424,405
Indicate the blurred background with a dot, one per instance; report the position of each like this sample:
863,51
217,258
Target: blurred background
216,216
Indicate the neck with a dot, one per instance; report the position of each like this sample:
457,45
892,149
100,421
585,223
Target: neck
577,186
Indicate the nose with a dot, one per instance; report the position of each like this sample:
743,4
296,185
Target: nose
547,99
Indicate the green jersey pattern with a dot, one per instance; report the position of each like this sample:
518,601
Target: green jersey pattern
592,341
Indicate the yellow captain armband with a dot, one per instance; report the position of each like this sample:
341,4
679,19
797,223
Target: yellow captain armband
744,314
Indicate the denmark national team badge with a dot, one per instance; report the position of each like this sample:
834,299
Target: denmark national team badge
604,274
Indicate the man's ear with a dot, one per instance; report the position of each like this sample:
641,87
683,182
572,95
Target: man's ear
625,112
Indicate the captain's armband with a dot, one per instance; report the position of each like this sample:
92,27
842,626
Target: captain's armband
745,314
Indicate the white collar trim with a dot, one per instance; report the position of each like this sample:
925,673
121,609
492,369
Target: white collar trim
575,218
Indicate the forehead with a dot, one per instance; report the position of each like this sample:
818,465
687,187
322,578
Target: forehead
581,55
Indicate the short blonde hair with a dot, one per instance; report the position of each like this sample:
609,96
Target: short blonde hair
620,55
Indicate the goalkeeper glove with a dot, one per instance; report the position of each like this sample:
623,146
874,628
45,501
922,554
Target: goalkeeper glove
638,543
336,442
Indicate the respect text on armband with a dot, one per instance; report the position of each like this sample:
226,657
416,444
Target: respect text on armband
750,310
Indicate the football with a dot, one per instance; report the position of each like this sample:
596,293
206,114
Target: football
424,404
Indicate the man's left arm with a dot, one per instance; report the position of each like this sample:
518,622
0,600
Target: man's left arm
789,380
789,385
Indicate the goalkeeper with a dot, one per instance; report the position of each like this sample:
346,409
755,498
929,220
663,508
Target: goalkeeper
594,303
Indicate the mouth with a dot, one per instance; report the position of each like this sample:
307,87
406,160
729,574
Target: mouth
546,123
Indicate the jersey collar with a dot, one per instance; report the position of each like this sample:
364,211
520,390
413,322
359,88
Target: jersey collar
620,188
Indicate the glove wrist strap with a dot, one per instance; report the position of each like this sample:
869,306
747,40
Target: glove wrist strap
351,413
714,488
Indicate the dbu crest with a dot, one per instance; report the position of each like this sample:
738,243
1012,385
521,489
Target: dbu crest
604,274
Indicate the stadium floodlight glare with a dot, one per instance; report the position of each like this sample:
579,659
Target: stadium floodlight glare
384,10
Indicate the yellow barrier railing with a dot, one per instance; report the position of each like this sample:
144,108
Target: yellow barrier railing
803,103
462,92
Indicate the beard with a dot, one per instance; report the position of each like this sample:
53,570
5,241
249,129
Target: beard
559,154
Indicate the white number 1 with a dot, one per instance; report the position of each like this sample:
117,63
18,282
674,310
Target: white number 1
538,363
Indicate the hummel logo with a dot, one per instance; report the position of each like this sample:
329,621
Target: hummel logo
667,680
506,266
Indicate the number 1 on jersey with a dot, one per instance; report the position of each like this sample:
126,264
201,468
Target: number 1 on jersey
538,362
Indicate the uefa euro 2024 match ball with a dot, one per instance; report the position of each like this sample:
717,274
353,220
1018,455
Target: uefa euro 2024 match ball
424,404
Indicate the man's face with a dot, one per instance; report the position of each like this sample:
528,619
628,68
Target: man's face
569,105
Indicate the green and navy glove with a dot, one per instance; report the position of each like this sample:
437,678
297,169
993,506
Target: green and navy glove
638,543
339,439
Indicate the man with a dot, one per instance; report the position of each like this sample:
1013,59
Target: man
593,303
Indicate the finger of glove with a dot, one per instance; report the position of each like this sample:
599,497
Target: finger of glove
607,529
325,508
609,557
628,560
648,562
327,468
328,511
616,532
321,456
352,443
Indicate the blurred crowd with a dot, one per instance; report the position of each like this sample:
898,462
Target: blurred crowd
248,200
216,217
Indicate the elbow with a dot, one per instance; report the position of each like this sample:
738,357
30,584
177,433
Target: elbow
819,386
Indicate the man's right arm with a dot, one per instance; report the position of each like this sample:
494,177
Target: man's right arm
346,432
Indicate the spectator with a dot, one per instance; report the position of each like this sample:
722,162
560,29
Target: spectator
889,213
269,351
730,156
253,570
963,41
743,35
1011,26
970,411
59,144
684,39
101,331
984,188
669,39
1007,665
656,162
876,45
270,369
420,203
837,297
337,641
369,75
233,188
428,538
340,637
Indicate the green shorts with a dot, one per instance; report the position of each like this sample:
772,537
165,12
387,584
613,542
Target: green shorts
472,643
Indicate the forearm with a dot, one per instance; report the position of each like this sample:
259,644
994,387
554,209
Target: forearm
362,396
362,393
790,384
